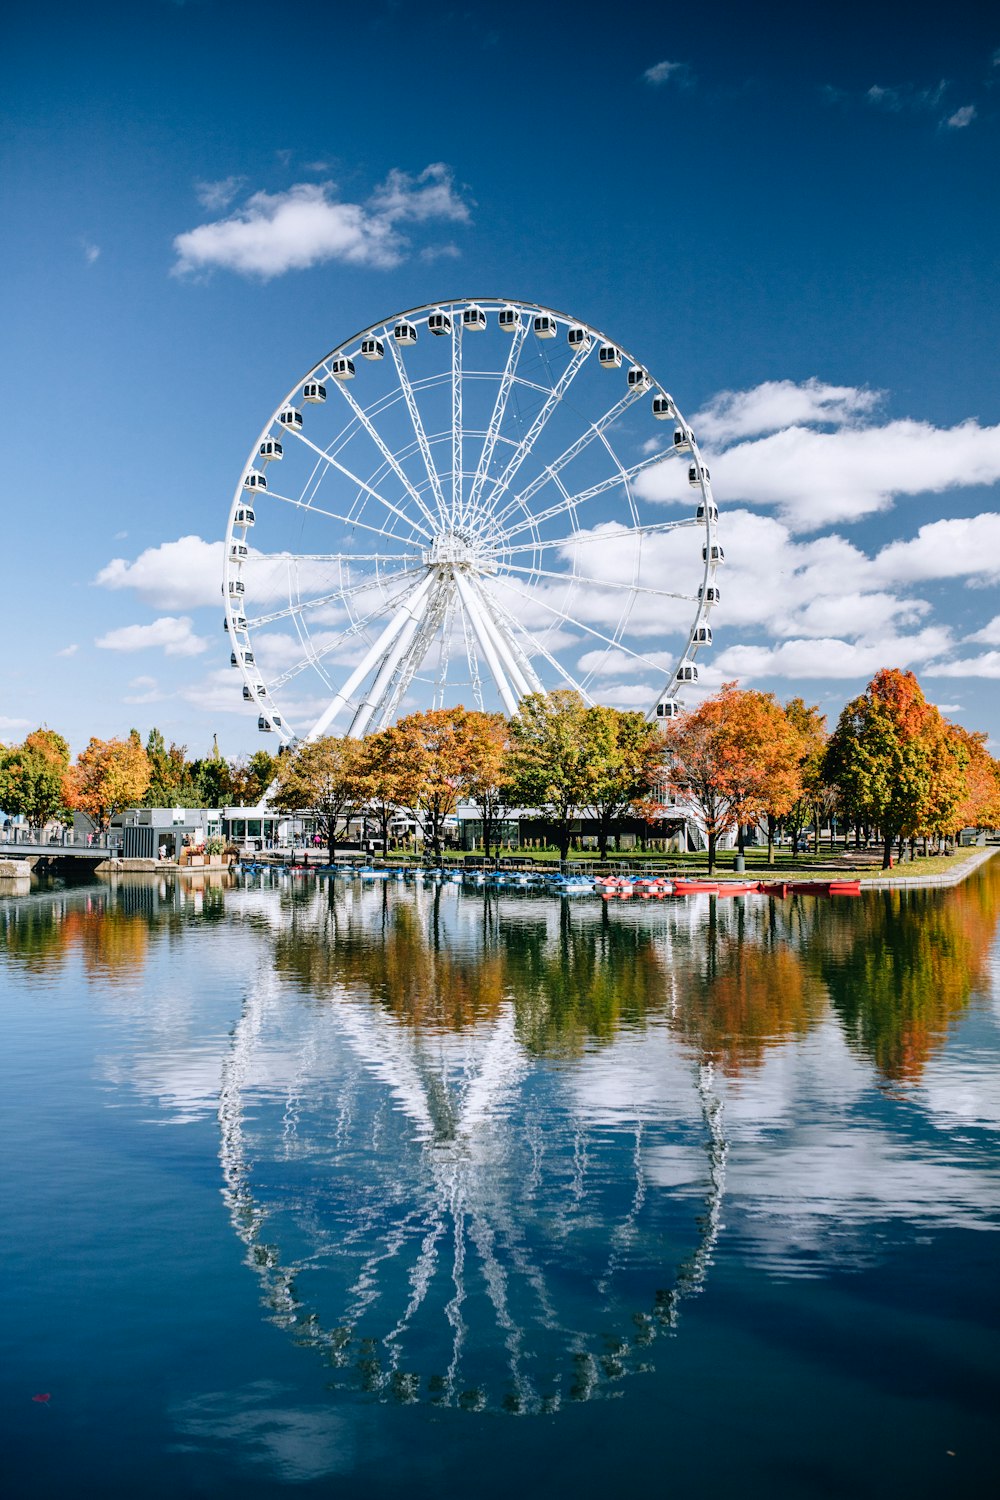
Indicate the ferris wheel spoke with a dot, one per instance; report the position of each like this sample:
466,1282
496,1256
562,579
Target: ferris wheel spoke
346,591
456,418
585,538
386,452
348,520
352,478
570,502
600,583
551,401
499,412
549,472
418,426
357,627
614,642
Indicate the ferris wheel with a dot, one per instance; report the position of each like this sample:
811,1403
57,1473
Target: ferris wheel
456,505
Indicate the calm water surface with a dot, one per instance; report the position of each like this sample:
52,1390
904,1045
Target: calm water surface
356,1190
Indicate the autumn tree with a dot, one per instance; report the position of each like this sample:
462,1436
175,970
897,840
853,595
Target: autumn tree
33,777
626,759
250,777
980,805
321,777
109,775
438,746
736,758
881,757
551,758
810,725
488,782
389,778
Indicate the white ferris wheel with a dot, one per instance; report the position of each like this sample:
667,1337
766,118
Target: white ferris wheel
450,507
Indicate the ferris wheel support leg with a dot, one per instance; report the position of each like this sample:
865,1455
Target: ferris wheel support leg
395,625
488,639
415,610
525,677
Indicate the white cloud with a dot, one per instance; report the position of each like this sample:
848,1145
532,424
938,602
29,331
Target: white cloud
448,251
781,403
69,650
144,690
964,547
429,195
763,447
218,195
662,72
832,658
905,96
172,633
307,225
8,724
90,251
990,633
962,117
986,665
175,575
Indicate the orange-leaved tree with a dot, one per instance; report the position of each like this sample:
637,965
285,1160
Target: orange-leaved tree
438,745
736,758
109,775
488,779
322,777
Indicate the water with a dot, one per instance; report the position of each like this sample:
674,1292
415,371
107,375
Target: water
331,1188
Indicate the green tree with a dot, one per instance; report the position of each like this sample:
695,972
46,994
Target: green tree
626,760
551,762
32,784
881,757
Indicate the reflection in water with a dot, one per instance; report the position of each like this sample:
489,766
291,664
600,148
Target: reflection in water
903,969
475,1146
434,1213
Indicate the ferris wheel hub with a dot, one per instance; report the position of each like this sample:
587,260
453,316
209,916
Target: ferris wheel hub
456,549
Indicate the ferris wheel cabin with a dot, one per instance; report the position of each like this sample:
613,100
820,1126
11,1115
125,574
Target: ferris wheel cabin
372,349
404,332
313,392
509,319
609,357
474,319
270,450
663,408
439,323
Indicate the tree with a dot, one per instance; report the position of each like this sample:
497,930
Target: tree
249,778
109,775
551,758
626,759
387,776
980,806
171,778
736,758
437,744
810,725
880,756
322,777
488,785
33,777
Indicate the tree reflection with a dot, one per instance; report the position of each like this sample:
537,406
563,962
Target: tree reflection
109,927
901,967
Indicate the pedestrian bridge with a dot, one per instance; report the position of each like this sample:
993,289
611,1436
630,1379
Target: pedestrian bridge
80,854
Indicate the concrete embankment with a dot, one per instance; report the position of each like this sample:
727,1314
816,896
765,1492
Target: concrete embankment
953,877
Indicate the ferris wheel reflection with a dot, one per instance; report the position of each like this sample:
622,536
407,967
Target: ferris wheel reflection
430,1201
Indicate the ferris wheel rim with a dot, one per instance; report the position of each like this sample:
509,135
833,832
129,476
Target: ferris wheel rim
509,659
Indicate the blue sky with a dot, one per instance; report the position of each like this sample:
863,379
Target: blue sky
789,214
